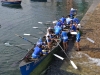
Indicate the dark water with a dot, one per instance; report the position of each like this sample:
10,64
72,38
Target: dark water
20,20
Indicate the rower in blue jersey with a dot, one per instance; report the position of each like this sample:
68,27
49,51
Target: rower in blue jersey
76,20
73,27
40,41
72,13
37,51
57,30
78,39
64,37
59,23
63,19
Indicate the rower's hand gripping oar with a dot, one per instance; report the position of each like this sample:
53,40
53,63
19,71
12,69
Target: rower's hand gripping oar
24,38
72,63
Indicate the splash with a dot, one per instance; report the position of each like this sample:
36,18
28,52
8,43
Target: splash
90,59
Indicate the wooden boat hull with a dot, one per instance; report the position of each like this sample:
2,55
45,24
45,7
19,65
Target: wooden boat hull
9,3
37,68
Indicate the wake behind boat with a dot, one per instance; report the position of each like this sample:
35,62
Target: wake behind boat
11,2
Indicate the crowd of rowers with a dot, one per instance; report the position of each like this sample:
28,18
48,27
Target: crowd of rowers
58,31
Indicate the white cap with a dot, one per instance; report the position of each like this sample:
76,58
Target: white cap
49,28
79,24
71,8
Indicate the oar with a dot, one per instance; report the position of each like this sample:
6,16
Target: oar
24,38
90,40
39,29
72,63
58,56
40,22
54,22
8,44
30,35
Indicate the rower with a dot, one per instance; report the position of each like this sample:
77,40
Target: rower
78,39
37,51
75,19
63,19
64,38
41,42
49,39
57,30
68,21
72,13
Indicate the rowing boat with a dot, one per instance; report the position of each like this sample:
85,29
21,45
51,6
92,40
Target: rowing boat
14,2
36,67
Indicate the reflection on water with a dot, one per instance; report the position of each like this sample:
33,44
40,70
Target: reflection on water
82,6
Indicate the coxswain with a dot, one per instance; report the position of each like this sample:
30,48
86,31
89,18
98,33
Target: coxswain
73,13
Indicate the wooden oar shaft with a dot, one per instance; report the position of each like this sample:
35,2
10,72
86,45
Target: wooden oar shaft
24,38
63,51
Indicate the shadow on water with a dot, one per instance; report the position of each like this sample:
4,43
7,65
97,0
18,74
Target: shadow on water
13,6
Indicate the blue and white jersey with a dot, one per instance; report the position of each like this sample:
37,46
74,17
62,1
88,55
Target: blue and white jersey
57,29
63,19
59,24
64,35
76,20
73,27
37,50
68,20
72,11
78,36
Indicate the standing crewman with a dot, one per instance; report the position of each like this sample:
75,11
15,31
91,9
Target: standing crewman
64,38
78,39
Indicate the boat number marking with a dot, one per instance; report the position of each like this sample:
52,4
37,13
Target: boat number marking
27,67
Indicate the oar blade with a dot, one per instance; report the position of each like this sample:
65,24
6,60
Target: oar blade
72,63
27,34
58,56
54,22
8,44
90,40
40,22
35,27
